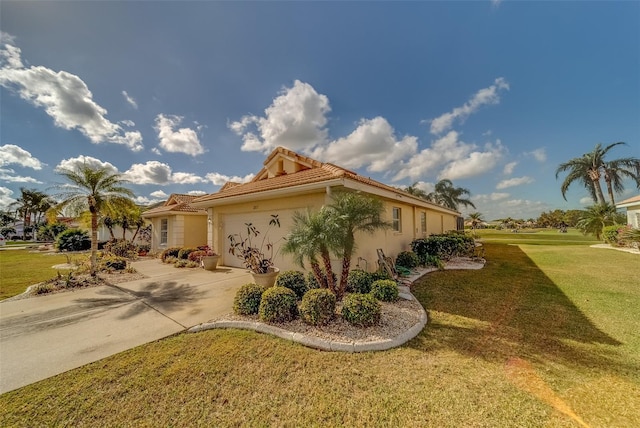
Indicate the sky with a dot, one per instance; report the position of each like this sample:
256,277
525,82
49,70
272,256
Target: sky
180,97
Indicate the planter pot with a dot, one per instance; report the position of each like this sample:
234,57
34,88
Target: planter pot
210,262
266,279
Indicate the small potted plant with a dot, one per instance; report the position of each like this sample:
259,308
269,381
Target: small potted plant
209,258
254,255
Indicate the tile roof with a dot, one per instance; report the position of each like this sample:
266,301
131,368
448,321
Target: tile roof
630,200
176,203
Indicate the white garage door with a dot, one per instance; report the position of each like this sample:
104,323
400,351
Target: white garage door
236,223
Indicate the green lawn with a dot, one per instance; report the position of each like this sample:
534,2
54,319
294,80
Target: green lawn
543,336
22,268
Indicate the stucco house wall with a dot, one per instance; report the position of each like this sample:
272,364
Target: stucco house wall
632,205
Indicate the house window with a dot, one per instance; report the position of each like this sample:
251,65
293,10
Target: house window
397,219
164,231
423,222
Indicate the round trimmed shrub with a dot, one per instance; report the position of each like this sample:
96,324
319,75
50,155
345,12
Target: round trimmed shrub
380,274
293,280
359,281
278,304
408,259
114,262
313,283
169,253
385,290
361,309
73,240
247,299
318,306
196,256
184,252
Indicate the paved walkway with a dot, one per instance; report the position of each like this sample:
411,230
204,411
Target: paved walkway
47,335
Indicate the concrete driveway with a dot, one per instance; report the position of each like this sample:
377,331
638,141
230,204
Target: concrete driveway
44,336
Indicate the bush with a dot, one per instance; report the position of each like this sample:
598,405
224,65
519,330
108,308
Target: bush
169,253
610,234
114,262
49,232
43,288
443,246
407,259
184,252
73,240
311,279
180,263
278,304
380,274
196,256
361,309
247,300
433,261
385,290
359,281
318,306
143,248
293,280
121,248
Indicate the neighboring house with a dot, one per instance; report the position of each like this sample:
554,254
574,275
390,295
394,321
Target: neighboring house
633,210
289,182
177,223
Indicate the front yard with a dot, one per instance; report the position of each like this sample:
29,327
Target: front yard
544,335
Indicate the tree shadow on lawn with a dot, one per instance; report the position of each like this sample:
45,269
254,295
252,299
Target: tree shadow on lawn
511,308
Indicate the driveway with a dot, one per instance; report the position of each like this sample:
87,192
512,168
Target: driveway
47,335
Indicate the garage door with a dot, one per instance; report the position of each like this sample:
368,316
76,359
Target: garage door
236,223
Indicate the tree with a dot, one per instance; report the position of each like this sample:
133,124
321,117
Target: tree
415,191
451,197
590,167
476,220
350,213
94,189
31,206
595,218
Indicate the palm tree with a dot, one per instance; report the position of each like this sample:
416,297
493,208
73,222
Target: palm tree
31,206
350,213
415,191
451,197
94,189
476,219
590,167
312,235
595,218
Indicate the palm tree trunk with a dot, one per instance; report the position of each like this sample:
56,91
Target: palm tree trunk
594,175
607,179
317,272
326,260
94,235
346,265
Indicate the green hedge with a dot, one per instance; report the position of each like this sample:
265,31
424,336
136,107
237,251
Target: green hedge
443,246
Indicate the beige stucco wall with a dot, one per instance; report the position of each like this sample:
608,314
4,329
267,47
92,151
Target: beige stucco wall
633,216
182,231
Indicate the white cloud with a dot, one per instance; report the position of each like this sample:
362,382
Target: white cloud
186,178
5,198
158,194
492,197
508,168
10,153
130,100
9,176
587,200
296,119
196,192
373,144
484,96
539,154
516,181
475,163
92,162
129,123
143,200
220,179
151,172
184,140
63,96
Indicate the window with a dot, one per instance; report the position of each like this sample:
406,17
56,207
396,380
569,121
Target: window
423,223
397,219
164,231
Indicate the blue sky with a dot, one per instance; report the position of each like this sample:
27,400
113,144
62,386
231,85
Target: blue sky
182,96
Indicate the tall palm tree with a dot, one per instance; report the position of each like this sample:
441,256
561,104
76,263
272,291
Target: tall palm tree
94,189
351,213
415,191
451,197
476,219
31,206
595,218
313,235
591,167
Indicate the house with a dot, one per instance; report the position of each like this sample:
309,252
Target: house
633,210
177,223
290,182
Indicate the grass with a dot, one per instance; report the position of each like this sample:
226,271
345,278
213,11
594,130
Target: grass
22,268
536,237
542,336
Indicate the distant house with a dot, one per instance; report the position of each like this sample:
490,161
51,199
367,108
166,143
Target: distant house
177,223
632,206
290,182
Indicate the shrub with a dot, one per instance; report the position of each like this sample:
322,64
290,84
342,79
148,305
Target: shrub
433,261
247,300
278,304
73,240
293,280
196,256
184,252
171,252
143,248
359,281
114,262
180,263
192,264
407,259
443,246
380,274
313,283
318,306
610,234
361,309
43,288
121,248
385,290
